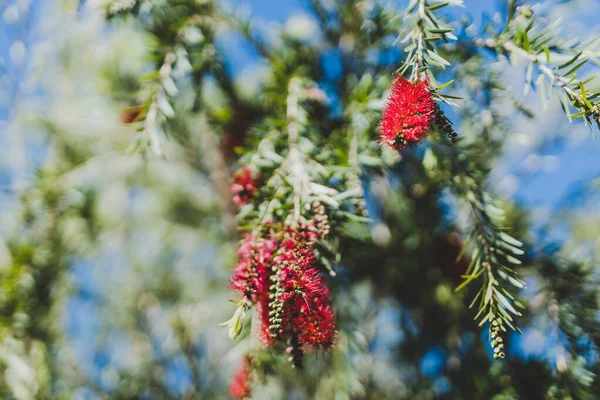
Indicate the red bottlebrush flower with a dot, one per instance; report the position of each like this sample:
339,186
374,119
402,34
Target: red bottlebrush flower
277,274
251,272
301,300
313,318
240,387
243,187
408,114
251,275
316,328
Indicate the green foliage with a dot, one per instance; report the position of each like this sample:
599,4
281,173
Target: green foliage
556,60
146,125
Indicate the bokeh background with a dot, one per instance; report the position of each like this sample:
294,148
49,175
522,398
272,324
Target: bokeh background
144,283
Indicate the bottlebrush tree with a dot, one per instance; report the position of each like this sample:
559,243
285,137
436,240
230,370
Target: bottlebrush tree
348,197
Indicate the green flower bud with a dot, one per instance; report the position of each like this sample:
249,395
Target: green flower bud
236,323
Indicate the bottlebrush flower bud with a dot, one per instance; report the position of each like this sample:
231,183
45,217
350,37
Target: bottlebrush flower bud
236,323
